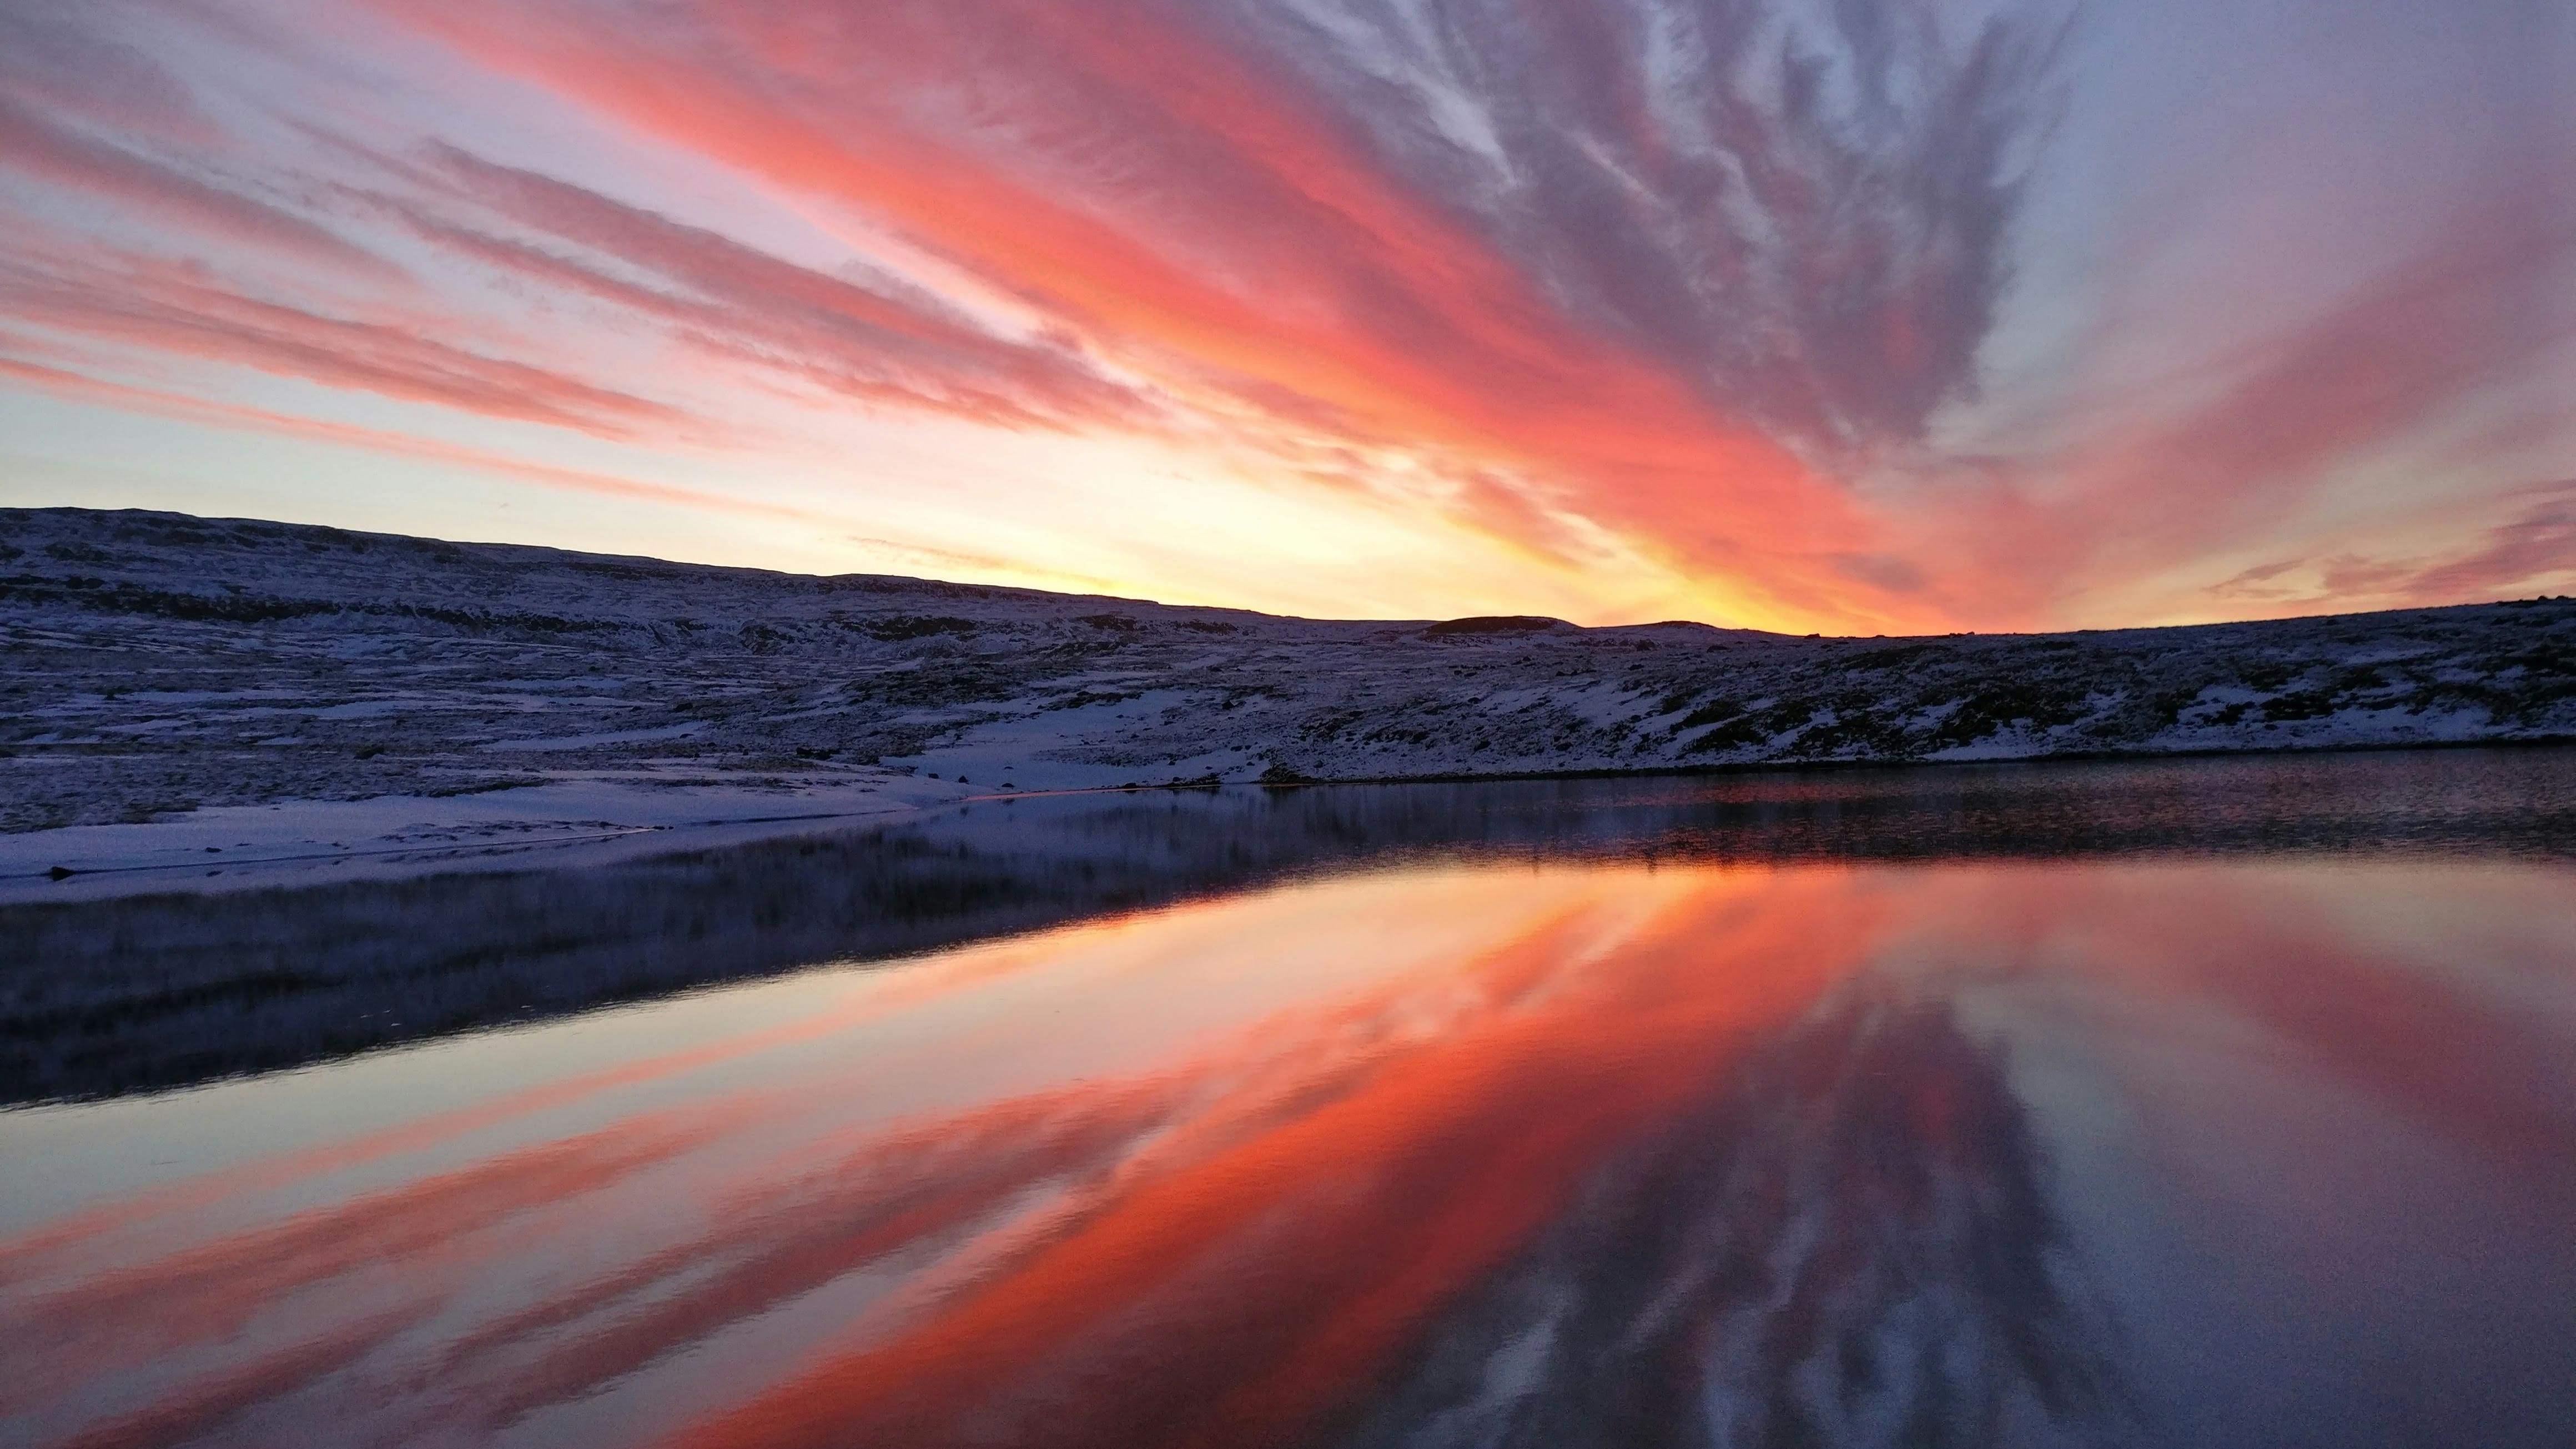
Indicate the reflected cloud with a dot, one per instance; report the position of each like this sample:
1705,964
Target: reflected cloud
1689,1154
1851,1242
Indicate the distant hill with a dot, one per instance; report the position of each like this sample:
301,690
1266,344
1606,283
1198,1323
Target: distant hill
152,662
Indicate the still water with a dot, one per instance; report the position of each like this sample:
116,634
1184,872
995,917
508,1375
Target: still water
1551,1147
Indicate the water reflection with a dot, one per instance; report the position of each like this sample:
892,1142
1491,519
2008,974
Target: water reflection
1851,1242
109,996
2258,1151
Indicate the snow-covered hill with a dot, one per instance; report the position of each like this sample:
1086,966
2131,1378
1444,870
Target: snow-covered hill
153,664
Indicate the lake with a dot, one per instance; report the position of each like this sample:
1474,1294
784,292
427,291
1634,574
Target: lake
2222,1102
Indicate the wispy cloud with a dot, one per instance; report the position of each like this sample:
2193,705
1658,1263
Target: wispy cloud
1588,287
32,146
171,310
2534,550
76,386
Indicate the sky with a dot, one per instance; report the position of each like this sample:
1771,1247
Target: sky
1859,316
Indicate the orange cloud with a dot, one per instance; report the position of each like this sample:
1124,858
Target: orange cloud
1253,255
78,387
172,310
1624,305
752,308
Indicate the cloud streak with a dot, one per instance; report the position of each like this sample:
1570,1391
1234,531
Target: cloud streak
34,147
1184,207
753,308
173,313
1738,298
80,388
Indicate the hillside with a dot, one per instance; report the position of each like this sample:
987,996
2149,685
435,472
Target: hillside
152,664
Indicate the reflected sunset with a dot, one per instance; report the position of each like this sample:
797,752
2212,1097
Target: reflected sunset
1327,1157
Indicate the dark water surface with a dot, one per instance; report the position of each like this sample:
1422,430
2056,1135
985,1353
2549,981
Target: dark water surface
2206,1103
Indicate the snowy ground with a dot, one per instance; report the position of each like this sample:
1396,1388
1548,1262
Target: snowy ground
298,842
194,695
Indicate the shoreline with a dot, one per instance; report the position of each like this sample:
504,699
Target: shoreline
1802,767
576,824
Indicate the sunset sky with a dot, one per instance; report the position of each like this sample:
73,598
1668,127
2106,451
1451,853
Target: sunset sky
1845,315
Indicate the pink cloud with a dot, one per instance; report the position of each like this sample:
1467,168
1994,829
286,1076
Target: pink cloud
188,312
78,387
34,147
754,309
